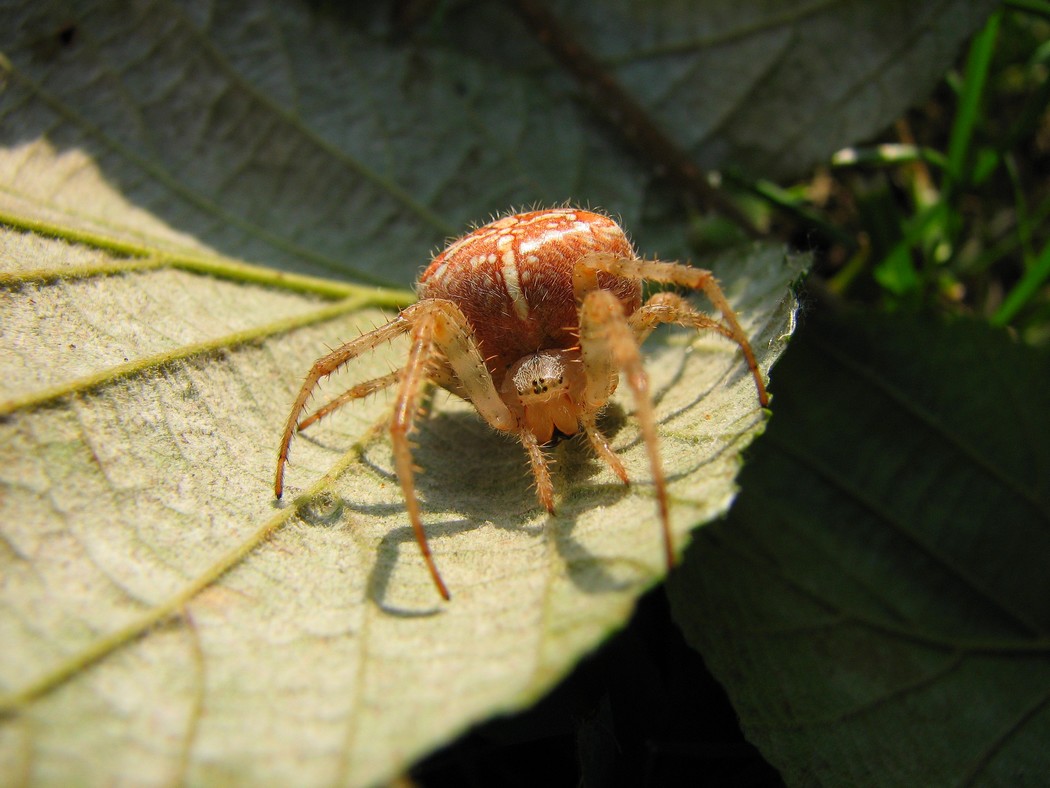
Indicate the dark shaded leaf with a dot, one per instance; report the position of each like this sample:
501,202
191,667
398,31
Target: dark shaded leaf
877,604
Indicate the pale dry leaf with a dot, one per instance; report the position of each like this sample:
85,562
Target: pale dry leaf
324,654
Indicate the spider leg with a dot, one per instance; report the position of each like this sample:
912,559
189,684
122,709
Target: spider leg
438,326
354,392
409,396
608,345
437,373
601,446
454,338
585,280
669,307
324,367
540,470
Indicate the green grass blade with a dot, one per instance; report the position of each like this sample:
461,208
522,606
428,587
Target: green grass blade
977,64
1024,290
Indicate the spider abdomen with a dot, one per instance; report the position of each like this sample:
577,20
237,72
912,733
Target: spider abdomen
512,279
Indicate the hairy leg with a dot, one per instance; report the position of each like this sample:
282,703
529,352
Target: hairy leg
601,446
606,339
672,308
452,336
359,391
409,398
324,367
585,280
439,329
540,471
437,373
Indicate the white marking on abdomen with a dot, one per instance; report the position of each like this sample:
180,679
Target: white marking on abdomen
439,272
509,269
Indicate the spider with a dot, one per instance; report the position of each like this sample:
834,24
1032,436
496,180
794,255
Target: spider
530,318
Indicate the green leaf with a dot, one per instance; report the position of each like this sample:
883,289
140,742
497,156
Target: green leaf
321,140
877,605
162,616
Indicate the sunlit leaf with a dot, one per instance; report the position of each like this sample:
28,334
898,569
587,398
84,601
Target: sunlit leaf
136,463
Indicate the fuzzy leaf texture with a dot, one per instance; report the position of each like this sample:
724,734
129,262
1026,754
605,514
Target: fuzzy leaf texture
137,468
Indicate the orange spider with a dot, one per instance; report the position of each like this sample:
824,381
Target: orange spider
531,319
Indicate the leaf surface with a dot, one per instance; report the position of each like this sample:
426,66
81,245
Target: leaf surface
321,139
163,620
161,616
876,605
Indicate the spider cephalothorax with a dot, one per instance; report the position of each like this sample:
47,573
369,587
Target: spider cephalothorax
531,318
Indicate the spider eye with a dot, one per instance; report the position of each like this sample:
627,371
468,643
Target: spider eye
539,374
